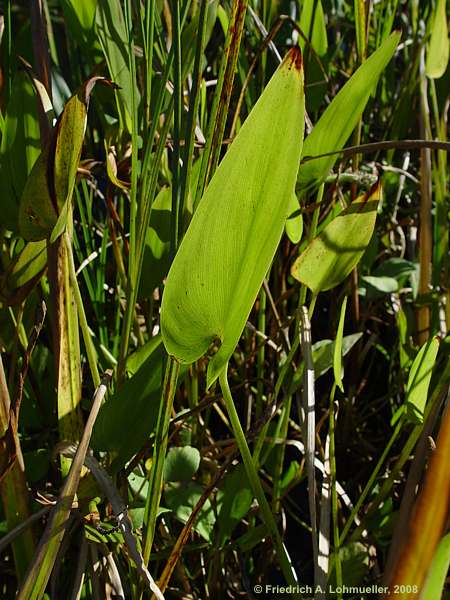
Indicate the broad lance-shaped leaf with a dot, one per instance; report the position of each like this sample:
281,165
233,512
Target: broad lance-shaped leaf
331,256
338,121
235,231
49,187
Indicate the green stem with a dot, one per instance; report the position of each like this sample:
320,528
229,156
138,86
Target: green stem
178,107
255,482
334,502
159,454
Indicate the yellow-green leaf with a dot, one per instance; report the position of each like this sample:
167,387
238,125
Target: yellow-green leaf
331,256
419,380
338,121
438,48
234,233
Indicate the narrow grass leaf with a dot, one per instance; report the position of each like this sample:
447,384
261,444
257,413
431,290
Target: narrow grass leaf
341,117
336,251
112,35
337,358
233,236
438,48
419,380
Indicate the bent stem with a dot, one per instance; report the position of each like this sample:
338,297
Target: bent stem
159,453
255,482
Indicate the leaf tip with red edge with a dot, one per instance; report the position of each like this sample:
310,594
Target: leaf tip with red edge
294,59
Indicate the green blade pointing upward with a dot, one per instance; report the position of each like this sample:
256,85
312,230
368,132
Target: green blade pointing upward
233,236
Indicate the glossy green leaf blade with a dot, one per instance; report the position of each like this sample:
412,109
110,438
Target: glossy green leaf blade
233,236
438,572
332,255
338,121
438,48
419,380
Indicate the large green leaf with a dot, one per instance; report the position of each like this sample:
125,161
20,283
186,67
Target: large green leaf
332,255
341,117
438,48
233,236
133,408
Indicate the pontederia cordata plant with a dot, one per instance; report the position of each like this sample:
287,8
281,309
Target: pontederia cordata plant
259,321
233,236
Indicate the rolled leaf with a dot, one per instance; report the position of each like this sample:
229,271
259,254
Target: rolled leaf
332,255
235,231
49,187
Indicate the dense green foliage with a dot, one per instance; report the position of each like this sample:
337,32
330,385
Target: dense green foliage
224,355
